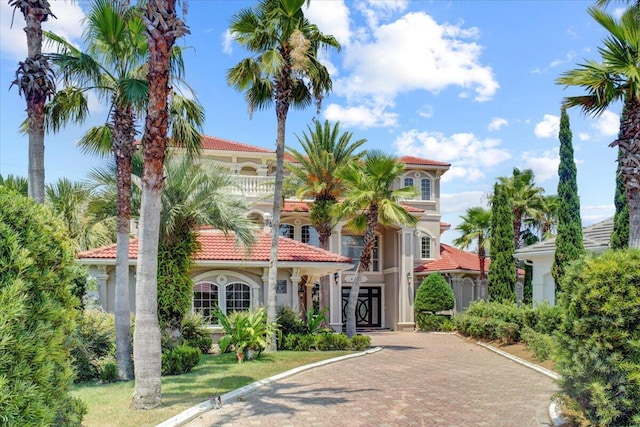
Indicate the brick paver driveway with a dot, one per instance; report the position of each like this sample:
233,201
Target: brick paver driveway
418,379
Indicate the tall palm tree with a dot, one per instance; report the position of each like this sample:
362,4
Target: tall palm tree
113,68
369,201
284,69
525,198
616,78
543,224
163,27
73,202
324,152
475,228
35,80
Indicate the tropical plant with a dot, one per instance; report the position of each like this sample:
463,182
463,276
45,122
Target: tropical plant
616,78
284,70
315,321
434,295
18,184
502,273
73,201
247,333
36,81
544,224
313,176
37,316
163,27
569,246
476,228
369,201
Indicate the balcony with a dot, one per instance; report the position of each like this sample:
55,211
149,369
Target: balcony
253,186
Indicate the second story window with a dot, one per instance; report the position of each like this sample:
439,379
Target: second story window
286,230
408,182
425,247
425,189
310,235
352,247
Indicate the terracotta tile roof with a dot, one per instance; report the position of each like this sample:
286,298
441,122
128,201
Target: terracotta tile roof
301,206
452,258
411,160
215,143
216,246
444,224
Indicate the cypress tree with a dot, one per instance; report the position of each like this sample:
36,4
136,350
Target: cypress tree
502,274
620,235
569,246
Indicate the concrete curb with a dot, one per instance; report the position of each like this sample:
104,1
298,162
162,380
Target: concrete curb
189,414
557,420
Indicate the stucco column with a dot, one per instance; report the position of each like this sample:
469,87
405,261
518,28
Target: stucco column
335,286
265,281
295,282
102,277
406,287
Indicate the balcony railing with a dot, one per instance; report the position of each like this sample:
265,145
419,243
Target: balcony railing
253,186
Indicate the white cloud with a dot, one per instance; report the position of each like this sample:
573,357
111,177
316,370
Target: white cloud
460,202
544,165
13,42
497,123
608,124
472,156
569,58
375,11
227,42
596,213
583,136
397,60
332,18
360,116
548,127
426,111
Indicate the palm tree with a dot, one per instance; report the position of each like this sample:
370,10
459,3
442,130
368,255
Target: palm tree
543,224
525,198
475,228
616,78
35,80
369,201
285,70
112,67
324,152
73,202
163,27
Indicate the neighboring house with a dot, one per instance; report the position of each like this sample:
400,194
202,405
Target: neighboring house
403,256
596,239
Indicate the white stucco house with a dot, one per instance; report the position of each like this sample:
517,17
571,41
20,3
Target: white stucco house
236,280
596,240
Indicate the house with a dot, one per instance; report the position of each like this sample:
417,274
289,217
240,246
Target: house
402,257
596,240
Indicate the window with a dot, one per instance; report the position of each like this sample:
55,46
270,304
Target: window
310,235
206,297
286,230
352,247
425,247
425,188
408,182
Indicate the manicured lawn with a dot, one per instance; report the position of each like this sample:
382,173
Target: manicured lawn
215,375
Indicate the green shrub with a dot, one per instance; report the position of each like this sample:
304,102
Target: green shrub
37,316
93,341
434,295
194,333
599,338
360,342
246,332
108,371
326,342
544,318
298,342
432,322
541,345
290,322
180,360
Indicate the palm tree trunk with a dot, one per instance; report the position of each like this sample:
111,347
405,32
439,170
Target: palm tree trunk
163,27
629,144
325,281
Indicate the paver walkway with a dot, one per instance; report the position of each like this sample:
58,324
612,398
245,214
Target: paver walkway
418,379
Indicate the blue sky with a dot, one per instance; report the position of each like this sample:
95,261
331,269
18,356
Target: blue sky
466,82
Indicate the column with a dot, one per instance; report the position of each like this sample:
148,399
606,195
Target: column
406,288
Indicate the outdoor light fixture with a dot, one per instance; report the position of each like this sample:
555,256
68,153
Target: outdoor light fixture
409,277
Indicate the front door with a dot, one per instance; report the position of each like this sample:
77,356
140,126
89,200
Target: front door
368,309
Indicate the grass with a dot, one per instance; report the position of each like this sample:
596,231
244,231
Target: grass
215,375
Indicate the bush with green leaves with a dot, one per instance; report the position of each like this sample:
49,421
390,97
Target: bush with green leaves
247,333
290,322
540,344
94,344
360,342
434,295
491,321
433,322
37,316
180,360
195,333
326,342
599,338
298,342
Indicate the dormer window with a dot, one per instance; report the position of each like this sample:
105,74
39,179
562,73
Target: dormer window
425,189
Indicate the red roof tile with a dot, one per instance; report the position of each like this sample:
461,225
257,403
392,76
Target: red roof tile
216,246
452,258
411,160
214,143
296,206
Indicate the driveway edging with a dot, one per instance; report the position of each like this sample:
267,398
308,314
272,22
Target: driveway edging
189,414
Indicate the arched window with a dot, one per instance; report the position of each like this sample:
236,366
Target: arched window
206,297
425,189
286,230
425,247
310,235
408,182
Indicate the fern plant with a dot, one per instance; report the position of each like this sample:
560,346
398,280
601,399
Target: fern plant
246,332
